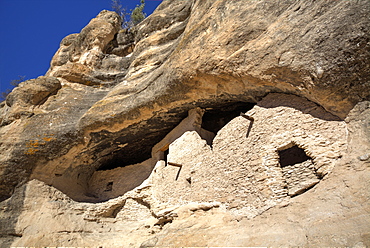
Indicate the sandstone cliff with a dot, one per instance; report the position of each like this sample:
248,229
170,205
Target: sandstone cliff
211,123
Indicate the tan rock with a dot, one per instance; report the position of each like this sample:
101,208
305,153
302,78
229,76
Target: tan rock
320,216
119,150
80,54
28,95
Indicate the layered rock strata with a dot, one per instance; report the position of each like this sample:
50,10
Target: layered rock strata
160,105
237,185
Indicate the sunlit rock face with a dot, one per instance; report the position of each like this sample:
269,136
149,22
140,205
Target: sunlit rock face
233,124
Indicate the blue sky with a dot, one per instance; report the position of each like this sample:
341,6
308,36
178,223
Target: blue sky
31,31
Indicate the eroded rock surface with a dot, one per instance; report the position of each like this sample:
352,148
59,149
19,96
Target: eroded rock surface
139,131
235,192
28,95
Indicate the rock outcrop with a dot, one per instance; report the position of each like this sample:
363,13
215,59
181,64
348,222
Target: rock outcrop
235,125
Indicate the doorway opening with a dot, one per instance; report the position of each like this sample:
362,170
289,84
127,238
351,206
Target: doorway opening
298,170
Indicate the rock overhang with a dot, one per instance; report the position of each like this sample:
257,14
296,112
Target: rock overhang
316,50
133,144
108,151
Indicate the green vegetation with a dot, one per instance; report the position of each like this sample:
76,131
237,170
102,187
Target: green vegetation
129,20
138,14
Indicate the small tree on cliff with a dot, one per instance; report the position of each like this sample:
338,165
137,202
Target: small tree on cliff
122,12
138,14
129,19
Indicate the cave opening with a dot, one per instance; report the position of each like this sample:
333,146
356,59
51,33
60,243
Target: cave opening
114,161
125,159
134,144
216,118
133,150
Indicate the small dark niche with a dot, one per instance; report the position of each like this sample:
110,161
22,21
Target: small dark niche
292,155
188,180
217,117
109,186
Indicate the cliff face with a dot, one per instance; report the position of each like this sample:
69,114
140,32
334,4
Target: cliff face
139,131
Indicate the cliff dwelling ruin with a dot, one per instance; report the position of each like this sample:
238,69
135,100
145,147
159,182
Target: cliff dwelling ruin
120,178
210,123
280,156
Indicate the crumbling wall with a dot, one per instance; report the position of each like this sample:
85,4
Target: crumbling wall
108,184
241,166
245,173
191,123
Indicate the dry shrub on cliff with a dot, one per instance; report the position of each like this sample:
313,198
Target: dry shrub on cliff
14,83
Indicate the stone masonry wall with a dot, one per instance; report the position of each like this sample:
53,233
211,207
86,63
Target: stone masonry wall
243,172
